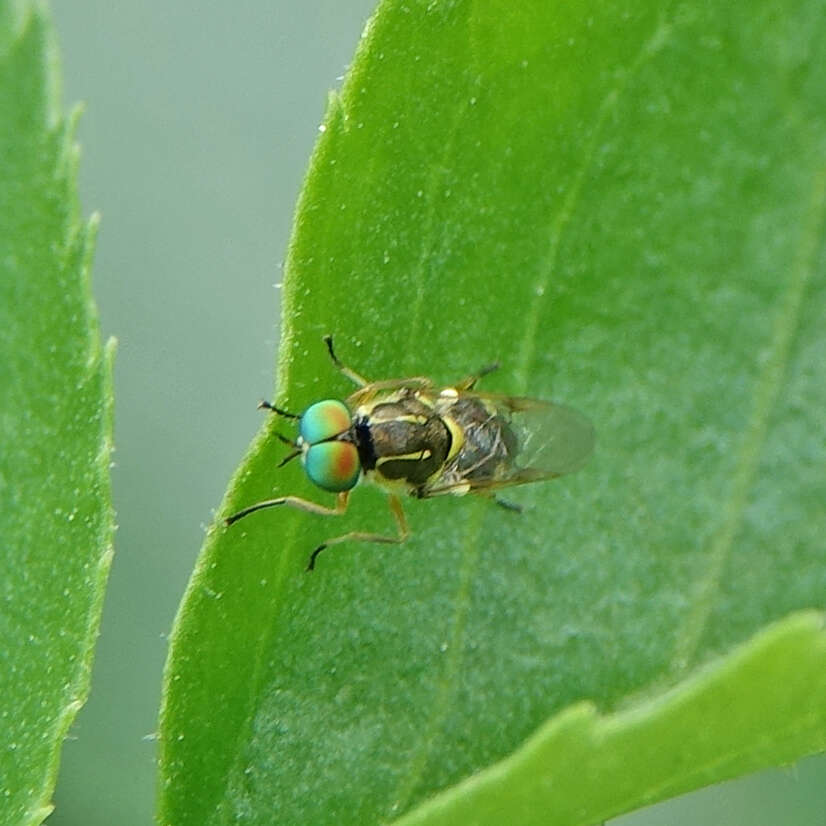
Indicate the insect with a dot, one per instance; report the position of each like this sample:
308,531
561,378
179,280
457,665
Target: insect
412,437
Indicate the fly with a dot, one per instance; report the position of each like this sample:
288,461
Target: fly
412,437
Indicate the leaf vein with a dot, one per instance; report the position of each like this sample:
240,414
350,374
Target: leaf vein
765,395
562,218
446,688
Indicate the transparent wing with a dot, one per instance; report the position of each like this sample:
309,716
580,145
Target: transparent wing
526,440
553,438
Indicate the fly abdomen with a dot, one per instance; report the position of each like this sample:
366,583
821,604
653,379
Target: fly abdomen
489,446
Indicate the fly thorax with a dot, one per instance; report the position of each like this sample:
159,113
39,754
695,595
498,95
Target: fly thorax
402,440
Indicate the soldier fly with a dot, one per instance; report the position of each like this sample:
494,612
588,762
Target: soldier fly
412,437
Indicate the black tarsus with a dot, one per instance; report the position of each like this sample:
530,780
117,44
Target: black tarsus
508,506
484,371
313,555
231,520
328,340
289,457
265,405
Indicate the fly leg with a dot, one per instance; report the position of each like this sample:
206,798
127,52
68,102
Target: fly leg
368,389
296,448
359,536
351,374
265,405
293,502
470,382
508,506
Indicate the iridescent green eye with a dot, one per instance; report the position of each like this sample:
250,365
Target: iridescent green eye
324,420
333,466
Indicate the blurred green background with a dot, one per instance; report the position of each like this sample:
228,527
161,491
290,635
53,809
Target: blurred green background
199,121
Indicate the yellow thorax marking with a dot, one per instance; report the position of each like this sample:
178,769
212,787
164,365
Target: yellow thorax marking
457,436
418,455
413,418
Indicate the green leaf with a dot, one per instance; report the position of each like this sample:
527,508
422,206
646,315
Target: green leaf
660,748
55,424
626,209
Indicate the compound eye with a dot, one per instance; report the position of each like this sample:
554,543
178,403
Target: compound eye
333,466
324,420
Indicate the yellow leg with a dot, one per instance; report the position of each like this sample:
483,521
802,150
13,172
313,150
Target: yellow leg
359,536
340,508
351,374
293,502
367,389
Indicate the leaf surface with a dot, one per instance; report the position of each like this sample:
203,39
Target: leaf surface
55,424
625,209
